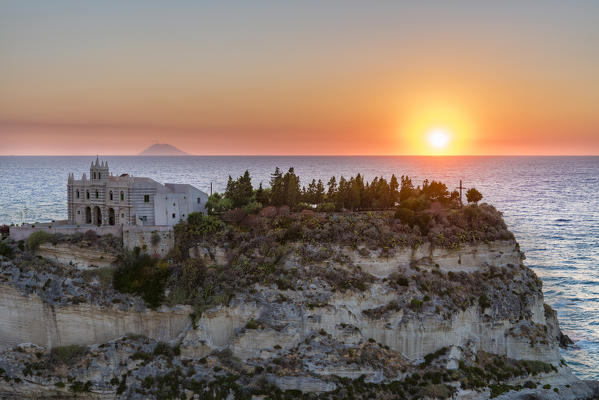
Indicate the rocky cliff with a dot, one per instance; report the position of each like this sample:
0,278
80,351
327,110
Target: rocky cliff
330,321
83,258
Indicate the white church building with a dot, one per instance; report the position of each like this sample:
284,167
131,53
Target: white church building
105,199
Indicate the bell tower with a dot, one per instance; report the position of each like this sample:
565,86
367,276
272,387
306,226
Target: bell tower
98,171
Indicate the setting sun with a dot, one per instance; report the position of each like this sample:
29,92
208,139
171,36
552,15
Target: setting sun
433,127
438,138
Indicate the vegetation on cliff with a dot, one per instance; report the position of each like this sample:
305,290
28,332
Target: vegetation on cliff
353,194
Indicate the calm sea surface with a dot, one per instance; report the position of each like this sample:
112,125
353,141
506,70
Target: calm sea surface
550,203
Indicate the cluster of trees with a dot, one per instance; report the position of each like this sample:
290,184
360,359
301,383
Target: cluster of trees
353,194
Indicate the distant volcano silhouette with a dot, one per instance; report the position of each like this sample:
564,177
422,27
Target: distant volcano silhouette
162,149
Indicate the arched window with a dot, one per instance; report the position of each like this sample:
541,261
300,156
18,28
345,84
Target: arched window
77,193
111,196
122,196
87,194
99,175
97,194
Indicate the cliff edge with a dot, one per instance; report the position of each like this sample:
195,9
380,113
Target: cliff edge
291,305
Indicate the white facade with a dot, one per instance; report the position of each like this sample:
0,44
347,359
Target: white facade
105,199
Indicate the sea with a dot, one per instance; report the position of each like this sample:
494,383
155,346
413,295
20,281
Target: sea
551,204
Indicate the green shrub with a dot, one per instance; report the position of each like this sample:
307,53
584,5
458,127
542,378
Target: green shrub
103,275
405,215
36,238
483,302
164,349
252,208
251,324
5,249
139,274
326,207
205,224
78,387
415,305
403,281
67,355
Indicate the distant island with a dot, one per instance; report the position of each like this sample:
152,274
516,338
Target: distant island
162,149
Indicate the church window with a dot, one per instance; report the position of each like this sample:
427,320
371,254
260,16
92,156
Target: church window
99,175
77,193
199,200
174,215
97,194
146,198
122,215
78,212
111,196
122,196
87,194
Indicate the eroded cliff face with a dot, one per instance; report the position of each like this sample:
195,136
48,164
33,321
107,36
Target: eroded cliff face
27,319
351,317
76,256
443,312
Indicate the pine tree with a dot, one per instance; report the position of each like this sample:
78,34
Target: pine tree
332,185
319,195
277,188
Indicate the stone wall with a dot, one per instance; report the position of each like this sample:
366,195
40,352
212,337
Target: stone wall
150,239
22,232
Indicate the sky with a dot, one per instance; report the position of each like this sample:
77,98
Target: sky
298,78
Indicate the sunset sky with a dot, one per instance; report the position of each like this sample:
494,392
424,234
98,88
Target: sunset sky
309,77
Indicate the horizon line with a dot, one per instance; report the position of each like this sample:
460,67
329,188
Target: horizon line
301,155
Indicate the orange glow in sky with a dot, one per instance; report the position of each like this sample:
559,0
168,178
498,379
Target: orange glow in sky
300,78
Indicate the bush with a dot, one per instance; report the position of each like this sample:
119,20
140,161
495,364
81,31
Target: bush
473,196
483,302
103,275
139,274
415,305
405,215
5,249
67,355
204,224
252,208
36,238
326,207
251,324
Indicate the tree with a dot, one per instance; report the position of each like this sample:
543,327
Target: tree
277,188
240,191
435,191
332,185
319,194
407,188
218,204
473,196
262,195
342,196
291,189
394,187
